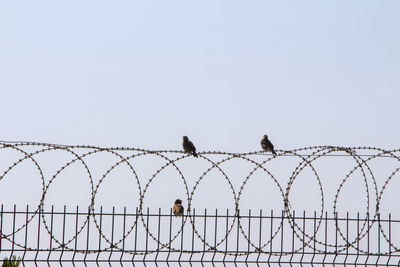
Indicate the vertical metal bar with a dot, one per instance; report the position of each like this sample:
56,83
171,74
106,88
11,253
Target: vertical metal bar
347,237
270,244
112,235
282,230
336,232
226,236
379,239
249,231
304,238
390,239
38,236
182,223
358,238
368,234
205,235
170,232
193,227
26,233
123,236
100,231
1,226
147,234
292,254
180,254
158,233
366,260
13,232
314,235
76,232
215,235
215,229
248,235
259,237
326,231
347,232
336,236
237,236
63,236
326,236
205,229
135,243
87,237
379,236
51,234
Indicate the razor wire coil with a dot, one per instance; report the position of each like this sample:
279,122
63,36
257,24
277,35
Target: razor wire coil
306,155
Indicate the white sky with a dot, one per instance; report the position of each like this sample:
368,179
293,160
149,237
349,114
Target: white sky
224,73
142,74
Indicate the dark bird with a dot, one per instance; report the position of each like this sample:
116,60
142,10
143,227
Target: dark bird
266,145
188,146
178,208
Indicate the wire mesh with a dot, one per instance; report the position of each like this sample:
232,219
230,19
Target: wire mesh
144,237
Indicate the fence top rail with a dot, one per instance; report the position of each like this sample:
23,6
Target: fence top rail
223,214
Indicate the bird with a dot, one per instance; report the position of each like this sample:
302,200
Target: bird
188,146
178,208
266,145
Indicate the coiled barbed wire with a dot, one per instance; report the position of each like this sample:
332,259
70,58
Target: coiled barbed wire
306,161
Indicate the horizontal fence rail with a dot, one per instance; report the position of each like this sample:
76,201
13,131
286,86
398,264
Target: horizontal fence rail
213,236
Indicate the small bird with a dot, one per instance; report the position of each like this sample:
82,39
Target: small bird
188,146
178,208
266,145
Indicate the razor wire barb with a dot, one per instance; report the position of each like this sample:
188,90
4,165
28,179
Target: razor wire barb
307,156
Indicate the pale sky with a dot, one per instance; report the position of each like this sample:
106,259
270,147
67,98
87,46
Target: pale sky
224,73
144,73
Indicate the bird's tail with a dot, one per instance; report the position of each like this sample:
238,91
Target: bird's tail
273,151
195,154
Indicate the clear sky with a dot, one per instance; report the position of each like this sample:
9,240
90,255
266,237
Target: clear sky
145,73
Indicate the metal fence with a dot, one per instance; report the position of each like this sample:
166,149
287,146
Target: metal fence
253,195
207,236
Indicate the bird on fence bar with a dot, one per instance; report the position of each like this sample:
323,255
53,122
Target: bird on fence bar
266,145
188,146
178,208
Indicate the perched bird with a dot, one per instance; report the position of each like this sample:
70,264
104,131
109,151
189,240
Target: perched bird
188,146
267,146
178,208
